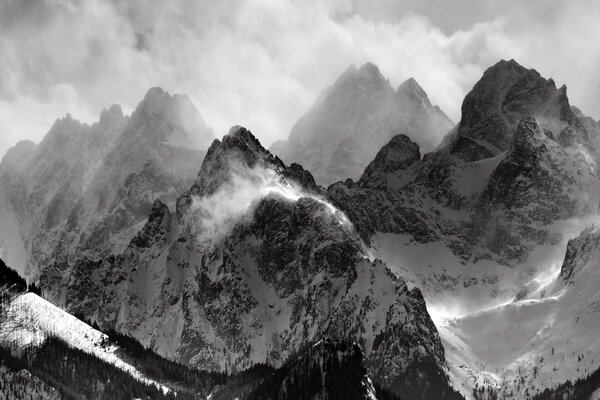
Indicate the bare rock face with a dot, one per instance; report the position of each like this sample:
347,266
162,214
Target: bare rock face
399,154
581,251
506,93
354,118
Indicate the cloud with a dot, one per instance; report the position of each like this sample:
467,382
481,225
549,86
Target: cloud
236,198
261,63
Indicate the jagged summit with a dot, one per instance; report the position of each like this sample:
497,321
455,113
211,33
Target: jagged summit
243,137
157,101
368,72
398,154
239,142
171,119
154,99
113,113
506,93
65,125
238,153
410,89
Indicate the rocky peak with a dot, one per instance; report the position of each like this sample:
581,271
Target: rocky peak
523,159
237,153
410,90
156,228
488,93
243,140
531,187
170,119
238,146
364,81
579,252
108,127
155,102
367,73
111,115
398,154
63,131
527,135
507,93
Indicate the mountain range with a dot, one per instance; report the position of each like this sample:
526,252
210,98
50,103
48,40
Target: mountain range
465,268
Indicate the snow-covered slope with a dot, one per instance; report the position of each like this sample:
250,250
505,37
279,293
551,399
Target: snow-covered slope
544,337
28,320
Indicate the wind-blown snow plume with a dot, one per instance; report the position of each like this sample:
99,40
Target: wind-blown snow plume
218,213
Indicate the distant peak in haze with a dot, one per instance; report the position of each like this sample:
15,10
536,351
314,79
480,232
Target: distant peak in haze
159,110
155,101
115,112
352,119
367,73
369,69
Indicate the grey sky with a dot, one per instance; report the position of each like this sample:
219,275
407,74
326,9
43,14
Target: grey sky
261,63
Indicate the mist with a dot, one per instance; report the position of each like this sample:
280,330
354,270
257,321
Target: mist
262,64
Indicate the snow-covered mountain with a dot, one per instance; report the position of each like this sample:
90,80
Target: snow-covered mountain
354,118
85,189
255,262
251,259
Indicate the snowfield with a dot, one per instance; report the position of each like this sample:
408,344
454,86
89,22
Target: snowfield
515,330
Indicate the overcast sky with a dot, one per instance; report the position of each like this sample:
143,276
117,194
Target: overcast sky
262,63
